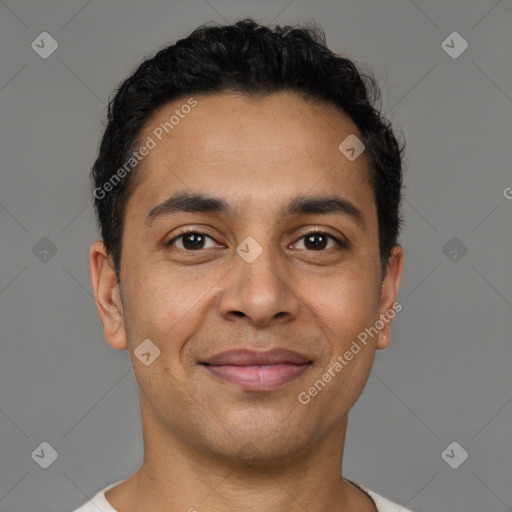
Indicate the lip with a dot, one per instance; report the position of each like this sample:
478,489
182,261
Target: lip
257,371
245,357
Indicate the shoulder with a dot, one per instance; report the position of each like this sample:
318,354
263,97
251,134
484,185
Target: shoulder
98,503
382,504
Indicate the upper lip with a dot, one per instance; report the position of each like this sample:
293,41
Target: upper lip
244,357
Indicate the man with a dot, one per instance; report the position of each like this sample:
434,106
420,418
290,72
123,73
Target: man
248,197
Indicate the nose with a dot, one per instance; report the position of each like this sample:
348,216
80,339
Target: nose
259,293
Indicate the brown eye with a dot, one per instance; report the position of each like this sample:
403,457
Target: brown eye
318,241
191,240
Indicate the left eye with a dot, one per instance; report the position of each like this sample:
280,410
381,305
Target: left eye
317,240
195,240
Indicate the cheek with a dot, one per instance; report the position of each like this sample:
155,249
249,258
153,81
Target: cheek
163,307
346,304
350,307
156,324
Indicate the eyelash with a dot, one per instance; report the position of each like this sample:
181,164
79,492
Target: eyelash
196,232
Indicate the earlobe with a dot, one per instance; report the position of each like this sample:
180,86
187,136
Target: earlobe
384,343
389,304
107,296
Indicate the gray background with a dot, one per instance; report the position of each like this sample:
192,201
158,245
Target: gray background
447,374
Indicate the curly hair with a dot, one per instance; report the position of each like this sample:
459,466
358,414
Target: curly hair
257,60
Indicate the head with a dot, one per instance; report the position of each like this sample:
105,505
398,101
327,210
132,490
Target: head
234,134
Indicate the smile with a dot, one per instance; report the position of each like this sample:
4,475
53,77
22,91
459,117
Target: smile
258,377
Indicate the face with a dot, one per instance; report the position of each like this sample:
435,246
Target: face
267,264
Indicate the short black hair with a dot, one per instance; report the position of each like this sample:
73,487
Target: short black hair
254,60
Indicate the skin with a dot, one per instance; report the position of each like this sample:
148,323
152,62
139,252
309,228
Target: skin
208,444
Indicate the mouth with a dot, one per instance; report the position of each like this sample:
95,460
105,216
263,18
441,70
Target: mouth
257,371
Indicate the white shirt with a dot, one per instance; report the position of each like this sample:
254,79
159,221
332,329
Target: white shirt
100,504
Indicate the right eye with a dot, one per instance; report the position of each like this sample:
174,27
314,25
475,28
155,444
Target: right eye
191,240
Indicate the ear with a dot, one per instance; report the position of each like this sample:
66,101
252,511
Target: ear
107,296
389,294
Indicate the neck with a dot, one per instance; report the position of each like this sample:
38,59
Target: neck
176,475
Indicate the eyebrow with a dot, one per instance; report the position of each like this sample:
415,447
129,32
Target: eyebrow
183,201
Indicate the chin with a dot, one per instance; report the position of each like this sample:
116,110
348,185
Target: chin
262,448
252,456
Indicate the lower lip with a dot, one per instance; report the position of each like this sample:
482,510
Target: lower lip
258,377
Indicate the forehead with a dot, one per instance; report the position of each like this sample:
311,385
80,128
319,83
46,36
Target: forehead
242,148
